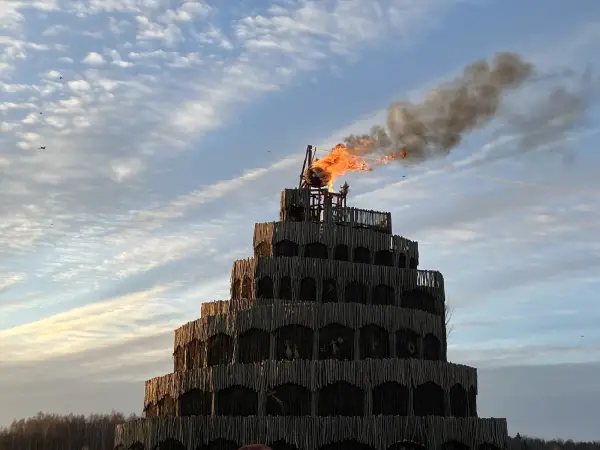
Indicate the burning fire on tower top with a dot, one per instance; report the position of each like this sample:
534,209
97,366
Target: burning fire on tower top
416,132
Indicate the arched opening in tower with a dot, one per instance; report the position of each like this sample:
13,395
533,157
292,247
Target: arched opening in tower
285,288
362,255
195,354
294,342
407,344
288,400
136,446
432,348
247,287
384,258
402,261
222,444
286,247
341,253
329,291
237,401
428,400
167,406
341,399
296,213
219,349
316,250
253,346
356,293
262,249
308,290
390,399
419,299
336,342
349,444
459,402
374,342
170,444
383,295
265,287
195,402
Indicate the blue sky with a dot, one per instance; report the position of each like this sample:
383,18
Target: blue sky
176,124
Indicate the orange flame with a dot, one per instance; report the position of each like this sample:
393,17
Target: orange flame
339,161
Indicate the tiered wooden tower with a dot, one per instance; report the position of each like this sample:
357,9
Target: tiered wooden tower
332,339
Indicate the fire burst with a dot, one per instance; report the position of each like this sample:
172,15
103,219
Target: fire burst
340,160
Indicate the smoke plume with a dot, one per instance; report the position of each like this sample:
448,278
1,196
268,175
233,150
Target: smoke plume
432,128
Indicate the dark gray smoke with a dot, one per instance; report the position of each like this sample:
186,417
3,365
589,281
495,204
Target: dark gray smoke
431,129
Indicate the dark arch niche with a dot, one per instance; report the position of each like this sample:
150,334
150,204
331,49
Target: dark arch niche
316,250
288,400
459,402
253,346
285,288
374,342
336,342
432,348
390,399
286,248
222,444
137,446
219,349
296,212
383,295
407,344
265,287
170,444
384,258
356,293
329,294
349,444
195,403
294,342
341,253
167,406
341,399
428,400
237,401
282,445
247,287
308,290
262,249
418,299
362,255
402,261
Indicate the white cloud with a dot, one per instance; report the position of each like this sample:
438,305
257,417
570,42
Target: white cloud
94,59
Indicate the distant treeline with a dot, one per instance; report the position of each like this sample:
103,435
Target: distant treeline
97,432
